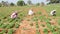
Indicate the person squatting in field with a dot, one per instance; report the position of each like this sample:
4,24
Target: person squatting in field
53,13
14,15
30,12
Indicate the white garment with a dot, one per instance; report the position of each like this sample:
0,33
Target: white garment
30,12
13,15
52,12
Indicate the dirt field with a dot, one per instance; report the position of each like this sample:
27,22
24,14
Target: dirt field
25,27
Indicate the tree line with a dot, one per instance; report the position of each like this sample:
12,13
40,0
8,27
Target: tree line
19,3
54,1
22,3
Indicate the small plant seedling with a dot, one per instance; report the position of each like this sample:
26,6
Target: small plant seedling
31,24
10,31
37,26
1,24
53,28
35,18
39,12
49,25
45,31
41,18
17,25
3,31
37,32
54,32
4,25
47,21
25,28
58,30
42,25
10,25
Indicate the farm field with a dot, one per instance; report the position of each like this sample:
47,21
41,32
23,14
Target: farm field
39,23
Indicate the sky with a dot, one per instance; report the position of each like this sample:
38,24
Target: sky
33,1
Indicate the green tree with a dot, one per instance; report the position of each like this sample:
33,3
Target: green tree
54,1
20,3
12,4
29,2
42,3
0,4
38,4
5,3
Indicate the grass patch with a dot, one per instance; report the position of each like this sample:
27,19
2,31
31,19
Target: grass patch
45,30
10,31
58,21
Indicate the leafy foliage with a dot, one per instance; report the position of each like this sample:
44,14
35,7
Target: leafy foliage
17,25
29,2
10,31
37,32
20,3
54,1
35,18
12,4
0,4
45,31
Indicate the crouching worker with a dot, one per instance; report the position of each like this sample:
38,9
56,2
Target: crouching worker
53,13
30,12
13,16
